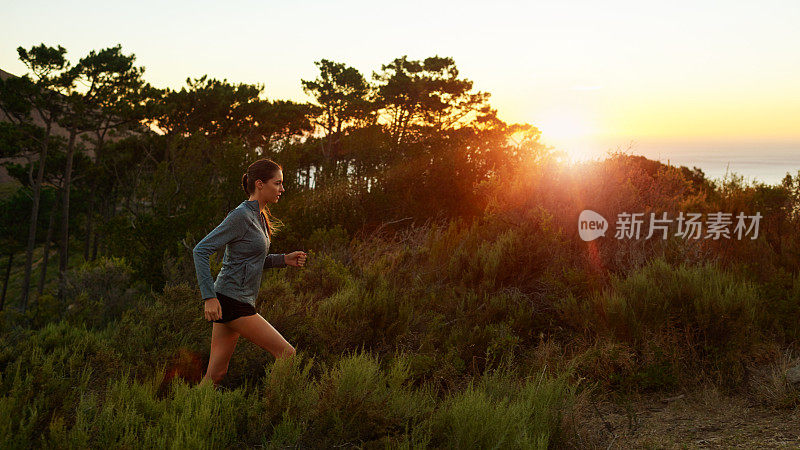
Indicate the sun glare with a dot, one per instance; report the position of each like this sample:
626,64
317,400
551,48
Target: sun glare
568,130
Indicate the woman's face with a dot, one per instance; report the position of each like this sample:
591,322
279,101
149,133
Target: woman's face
270,191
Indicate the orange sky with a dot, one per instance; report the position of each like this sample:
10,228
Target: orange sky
591,75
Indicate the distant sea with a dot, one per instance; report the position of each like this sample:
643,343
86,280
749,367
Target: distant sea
764,161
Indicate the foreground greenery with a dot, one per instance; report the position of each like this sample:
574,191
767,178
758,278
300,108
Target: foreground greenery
490,333
67,385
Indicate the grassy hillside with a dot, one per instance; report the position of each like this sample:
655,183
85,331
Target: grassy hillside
504,331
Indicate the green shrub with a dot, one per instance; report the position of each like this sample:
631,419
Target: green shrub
368,313
502,411
154,332
714,320
329,241
44,373
491,254
100,291
360,403
130,415
323,275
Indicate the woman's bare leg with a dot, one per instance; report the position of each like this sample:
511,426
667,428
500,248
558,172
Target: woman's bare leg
257,330
223,342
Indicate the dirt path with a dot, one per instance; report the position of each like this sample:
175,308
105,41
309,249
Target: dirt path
704,419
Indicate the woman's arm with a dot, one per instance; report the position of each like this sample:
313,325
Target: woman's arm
230,229
275,260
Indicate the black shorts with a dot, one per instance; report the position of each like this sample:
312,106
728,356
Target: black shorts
232,308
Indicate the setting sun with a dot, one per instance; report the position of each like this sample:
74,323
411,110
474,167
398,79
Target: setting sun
570,130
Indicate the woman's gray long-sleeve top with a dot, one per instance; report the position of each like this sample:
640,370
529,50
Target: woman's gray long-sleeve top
244,233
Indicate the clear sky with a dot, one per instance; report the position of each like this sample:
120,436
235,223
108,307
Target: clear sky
670,77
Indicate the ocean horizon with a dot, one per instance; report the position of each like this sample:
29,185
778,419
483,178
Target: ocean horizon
756,161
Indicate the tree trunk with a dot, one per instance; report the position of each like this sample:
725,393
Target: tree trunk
43,272
98,234
91,234
5,280
62,266
37,191
95,242
89,227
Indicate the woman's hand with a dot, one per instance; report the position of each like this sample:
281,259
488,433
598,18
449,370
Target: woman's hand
296,259
213,310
